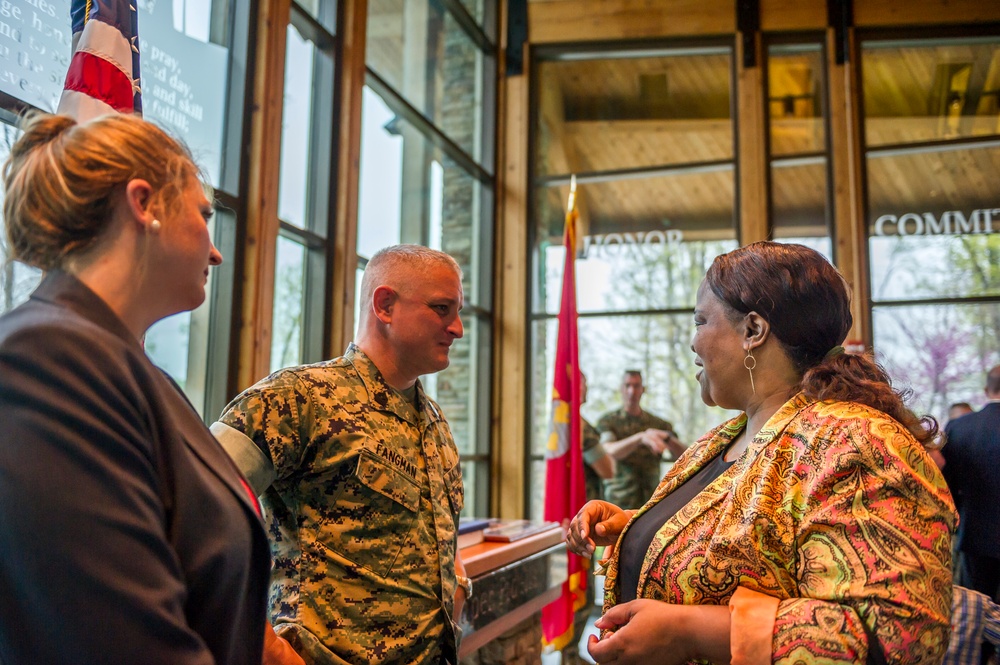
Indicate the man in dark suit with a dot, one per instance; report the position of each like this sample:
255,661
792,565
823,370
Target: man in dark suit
972,469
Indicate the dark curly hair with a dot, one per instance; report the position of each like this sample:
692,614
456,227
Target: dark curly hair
806,302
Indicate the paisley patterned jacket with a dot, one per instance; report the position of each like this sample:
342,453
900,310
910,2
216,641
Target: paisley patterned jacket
833,519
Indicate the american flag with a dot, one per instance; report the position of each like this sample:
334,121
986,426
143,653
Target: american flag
103,76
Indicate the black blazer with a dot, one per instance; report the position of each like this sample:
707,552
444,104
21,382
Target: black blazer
126,535
972,469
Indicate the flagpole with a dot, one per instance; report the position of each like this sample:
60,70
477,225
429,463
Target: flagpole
564,480
572,194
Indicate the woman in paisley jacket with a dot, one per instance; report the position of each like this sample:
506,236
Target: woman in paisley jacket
811,528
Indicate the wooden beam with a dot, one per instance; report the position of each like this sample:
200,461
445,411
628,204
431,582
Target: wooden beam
849,234
787,15
261,224
875,13
560,21
562,154
754,224
352,80
511,357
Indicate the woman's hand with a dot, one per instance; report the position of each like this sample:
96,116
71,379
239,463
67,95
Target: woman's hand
644,631
597,523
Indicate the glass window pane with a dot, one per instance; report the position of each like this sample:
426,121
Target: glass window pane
470,478
653,257
799,210
167,344
905,268
419,49
289,292
932,90
459,389
659,345
35,76
934,228
381,174
411,192
185,73
185,62
626,113
482,12
795,84
17,280
305,126
324,11
536,487
940,352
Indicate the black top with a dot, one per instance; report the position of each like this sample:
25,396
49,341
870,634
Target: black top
640,535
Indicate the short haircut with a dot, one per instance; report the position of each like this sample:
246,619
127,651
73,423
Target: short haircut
960,405
632,372
993,381
399,265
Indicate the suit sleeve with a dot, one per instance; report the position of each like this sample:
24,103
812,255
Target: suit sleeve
873,546
953,470
88,573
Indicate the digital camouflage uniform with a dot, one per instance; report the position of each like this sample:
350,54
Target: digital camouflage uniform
592,451
637,475
362,513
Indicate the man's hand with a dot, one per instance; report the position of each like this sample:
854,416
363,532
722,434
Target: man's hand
655,440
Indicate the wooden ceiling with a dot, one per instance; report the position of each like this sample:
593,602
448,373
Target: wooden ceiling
653,116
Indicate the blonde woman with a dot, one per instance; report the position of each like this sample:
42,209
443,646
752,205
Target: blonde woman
127,535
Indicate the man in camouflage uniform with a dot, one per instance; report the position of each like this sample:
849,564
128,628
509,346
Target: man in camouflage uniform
598,465
360,476
636,440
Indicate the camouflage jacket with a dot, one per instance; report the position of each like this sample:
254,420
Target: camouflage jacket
592,451
361,514
637,475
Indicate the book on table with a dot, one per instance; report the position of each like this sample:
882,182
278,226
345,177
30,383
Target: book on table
507,531
470,531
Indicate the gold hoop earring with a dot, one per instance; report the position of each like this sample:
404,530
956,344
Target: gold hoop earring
750,363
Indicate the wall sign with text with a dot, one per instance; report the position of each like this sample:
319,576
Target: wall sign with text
951,222
183,75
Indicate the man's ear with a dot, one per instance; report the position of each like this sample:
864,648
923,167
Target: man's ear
382,302
138,200
757,330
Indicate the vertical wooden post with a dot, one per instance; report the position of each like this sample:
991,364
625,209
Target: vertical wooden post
511,354
261,224
849,232
352,36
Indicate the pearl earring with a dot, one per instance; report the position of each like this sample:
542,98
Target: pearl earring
155,226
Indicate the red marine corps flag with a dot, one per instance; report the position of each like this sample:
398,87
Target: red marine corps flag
103,76
565,491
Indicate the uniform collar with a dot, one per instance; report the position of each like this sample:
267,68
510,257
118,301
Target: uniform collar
383,396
